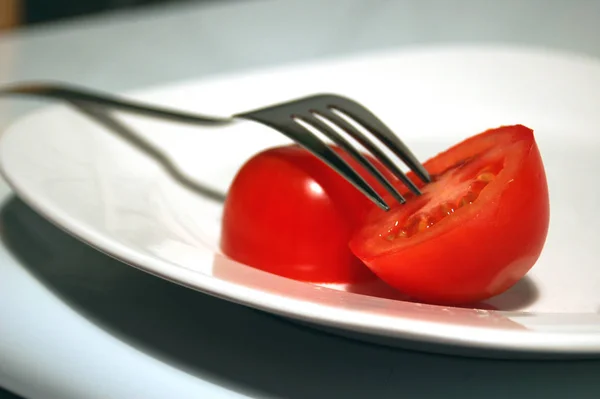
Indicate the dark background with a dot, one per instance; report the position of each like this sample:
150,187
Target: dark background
35,12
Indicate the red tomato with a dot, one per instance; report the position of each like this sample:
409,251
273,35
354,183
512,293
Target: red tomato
477,229
288,213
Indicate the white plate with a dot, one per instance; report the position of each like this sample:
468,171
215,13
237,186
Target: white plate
119,199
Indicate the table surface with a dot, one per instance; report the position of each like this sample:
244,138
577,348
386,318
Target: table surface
64,335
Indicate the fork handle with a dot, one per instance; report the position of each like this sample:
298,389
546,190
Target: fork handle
74,95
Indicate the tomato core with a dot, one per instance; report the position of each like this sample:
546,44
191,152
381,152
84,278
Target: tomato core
454,188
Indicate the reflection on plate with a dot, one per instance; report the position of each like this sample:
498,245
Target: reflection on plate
163,215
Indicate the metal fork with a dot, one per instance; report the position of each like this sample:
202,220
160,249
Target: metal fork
291,118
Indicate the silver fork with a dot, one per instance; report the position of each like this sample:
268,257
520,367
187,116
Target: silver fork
291,118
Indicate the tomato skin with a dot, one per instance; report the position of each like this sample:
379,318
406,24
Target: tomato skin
289,214
471,258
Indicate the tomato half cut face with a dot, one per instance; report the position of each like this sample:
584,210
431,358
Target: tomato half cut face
477,229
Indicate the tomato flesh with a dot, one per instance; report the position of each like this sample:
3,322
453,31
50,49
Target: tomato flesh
477,229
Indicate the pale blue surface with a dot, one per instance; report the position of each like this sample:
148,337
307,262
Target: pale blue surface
76,324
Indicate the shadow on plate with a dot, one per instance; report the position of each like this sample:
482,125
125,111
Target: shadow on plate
255,353
520,296
523,294
121,130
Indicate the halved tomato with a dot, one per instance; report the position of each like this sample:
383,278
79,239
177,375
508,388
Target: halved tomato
290,214
477,229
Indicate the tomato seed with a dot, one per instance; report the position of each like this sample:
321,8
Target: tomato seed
477,186
468,199
486,177
447,208
412,226
423,224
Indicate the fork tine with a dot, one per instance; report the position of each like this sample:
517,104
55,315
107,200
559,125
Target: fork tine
318,124
364,141
367,119
314,145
